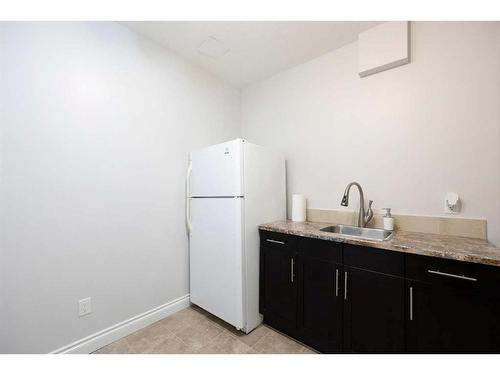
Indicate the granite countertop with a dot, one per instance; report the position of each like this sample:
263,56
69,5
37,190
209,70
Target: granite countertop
450,247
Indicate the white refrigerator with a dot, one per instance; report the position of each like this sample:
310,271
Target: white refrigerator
232,187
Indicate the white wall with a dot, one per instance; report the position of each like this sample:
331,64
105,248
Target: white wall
408,135
96,124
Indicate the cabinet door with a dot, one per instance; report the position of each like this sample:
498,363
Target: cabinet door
451,319
452,306
279,292
373,312
320,304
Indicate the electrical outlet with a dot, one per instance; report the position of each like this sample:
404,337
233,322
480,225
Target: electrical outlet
84,307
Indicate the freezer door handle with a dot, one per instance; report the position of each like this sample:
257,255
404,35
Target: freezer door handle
188,201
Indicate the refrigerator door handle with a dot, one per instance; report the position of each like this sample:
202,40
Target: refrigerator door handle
188,202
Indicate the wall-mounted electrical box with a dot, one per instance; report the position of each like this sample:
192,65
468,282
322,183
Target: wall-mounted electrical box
452,203
383,47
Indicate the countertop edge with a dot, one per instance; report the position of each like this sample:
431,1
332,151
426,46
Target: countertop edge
391,245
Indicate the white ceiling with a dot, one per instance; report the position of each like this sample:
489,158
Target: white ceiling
249,51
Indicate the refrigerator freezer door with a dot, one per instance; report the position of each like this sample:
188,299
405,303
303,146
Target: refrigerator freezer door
217,170
215,257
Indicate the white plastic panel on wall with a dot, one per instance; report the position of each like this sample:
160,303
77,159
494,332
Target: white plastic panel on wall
383,47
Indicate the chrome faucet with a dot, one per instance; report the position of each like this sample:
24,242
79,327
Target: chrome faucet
363,217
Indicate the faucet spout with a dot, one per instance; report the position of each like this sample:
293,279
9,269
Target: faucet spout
363,217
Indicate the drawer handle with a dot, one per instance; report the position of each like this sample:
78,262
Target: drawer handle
274,241
345,286
452,275
411,303
336,282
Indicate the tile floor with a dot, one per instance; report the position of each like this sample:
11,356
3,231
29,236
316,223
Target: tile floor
194,330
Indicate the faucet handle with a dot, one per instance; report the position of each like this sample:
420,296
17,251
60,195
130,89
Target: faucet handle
370,204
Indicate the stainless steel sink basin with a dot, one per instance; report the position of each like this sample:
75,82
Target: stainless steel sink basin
363,233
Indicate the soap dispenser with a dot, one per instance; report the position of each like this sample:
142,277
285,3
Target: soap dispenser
388,219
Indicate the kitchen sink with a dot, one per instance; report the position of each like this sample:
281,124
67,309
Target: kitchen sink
362,233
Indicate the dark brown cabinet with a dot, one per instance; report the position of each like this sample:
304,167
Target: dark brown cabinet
278,279
343,298
373,300
373,312
320,294
453,307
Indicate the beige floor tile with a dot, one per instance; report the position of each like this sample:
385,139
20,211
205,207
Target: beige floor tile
171,345
190,313
142,346
225,343
194,330
118,347
147,338
220,323
248,339
306,350
199,310
254,336
199,334
156,331
182,319
276,343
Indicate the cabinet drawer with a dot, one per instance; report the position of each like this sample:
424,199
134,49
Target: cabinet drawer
320,249
276,240
451,272
368,258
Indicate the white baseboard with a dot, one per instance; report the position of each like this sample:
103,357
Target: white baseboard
102,338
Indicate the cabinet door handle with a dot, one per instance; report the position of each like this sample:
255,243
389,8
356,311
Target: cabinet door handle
292,262
411,303
345,285
452,275
336,282
274,241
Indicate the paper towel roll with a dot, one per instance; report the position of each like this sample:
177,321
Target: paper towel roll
298,207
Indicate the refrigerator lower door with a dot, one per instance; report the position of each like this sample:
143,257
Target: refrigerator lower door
215,257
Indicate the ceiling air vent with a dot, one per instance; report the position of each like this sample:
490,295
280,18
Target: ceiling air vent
212,48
